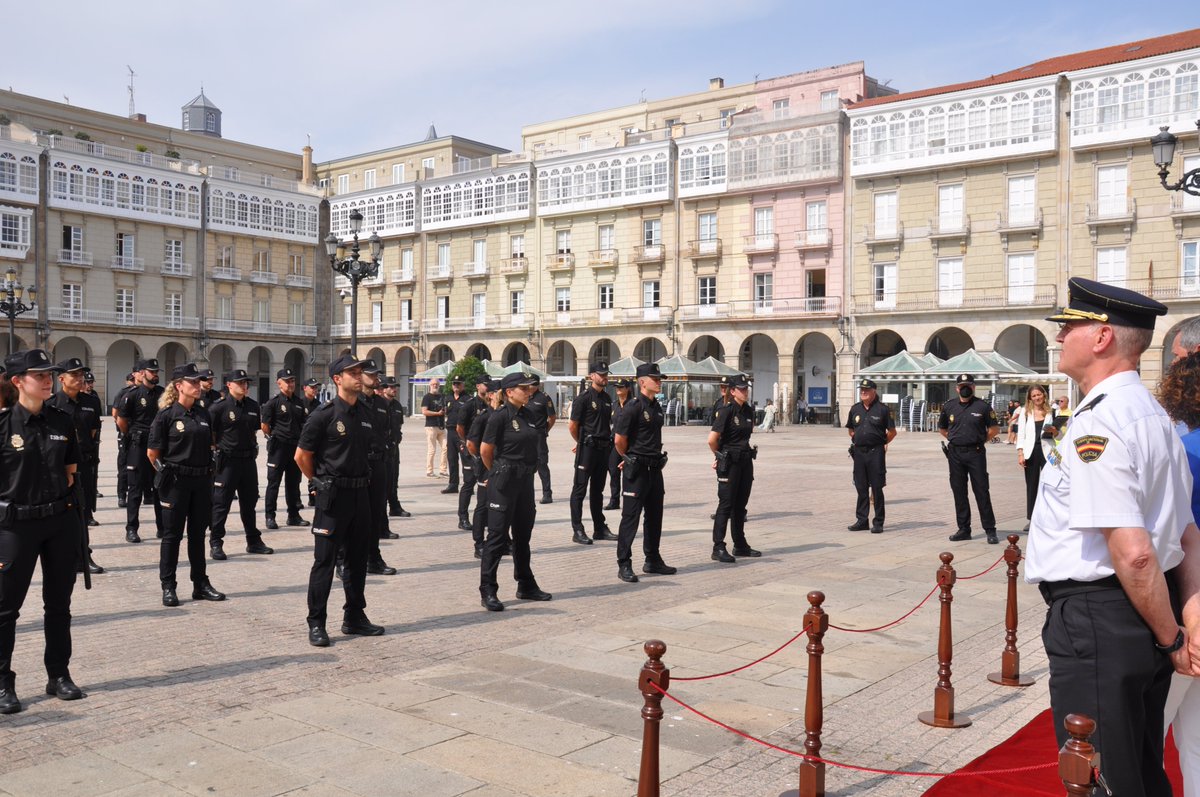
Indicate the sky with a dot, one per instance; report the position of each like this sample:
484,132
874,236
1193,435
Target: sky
361,76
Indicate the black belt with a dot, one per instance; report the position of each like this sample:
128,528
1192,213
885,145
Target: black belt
39,511
351,484
647,461
520,469
374,456
970,446
184,470
247,454
863,447
1056,590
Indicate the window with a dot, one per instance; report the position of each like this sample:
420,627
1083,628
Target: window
296,313
885,214
1111,189
516,303
427,167
406,264
585,143
726,116
516,246
885,285
124,305
651,293
72,242
816,220
607,240
376,316
343,184
652,232
764,292
443,259
950,207
479,255
764,227
369,179
406,315
173,309
707,226
1021,199
443,310
1022,271
173,252
706,290
562,240
126,247
210,122
297,264
225,256
950,282
479,309
262,311
605,296
397,173
1110,265
346,312
14,230
72,302
829,100
814,283
262,260
779,108
1189,268
225,308
562,300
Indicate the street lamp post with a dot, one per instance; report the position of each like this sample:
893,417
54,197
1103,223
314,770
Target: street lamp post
1163,146
11,304
354,269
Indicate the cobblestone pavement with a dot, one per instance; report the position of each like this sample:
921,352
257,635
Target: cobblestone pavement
229,698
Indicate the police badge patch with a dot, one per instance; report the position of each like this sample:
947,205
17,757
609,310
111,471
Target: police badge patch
645,415
179,426
595,406
516,426
951,419
283,408
142,401
341,427
17,441
737,421
232,417
1090,447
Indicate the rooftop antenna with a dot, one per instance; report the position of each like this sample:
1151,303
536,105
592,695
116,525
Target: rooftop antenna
643,97
66,99
132,75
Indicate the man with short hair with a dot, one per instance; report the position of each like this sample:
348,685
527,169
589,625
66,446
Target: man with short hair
138,408
871,427
236,420
544,416
282,419
376,407
466,417
454,440
208,396
1187,338
433,407
1107,542
968,423
310,401
591,413
395,437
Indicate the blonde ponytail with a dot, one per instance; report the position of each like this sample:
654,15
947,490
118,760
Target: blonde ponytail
170,396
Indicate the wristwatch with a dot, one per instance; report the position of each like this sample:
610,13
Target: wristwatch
1174,646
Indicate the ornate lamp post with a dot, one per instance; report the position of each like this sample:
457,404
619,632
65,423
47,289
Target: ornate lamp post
354,269
1163,146
11,306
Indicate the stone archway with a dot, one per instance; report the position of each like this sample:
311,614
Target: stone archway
949,342
515,353
561,359
120,359
297,361
403,367
377,355
480,351
815,372
73,347
650,350
706,346
759,359
221,360
604,350
879,345
440,354
1026,345
19,344
258,368
171,355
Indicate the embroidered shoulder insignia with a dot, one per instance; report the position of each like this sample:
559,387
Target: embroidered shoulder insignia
1090,447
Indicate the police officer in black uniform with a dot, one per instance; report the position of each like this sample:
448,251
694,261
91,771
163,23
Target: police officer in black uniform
333,453
395,437
723,396
85,411
180,450
208,396
510,455
466,417
377,490
729,440
122,441
624,389
38,519
969,423
236,420
474,441
591,429
871,427
282,420
310,401
541,410
454,444
638,440
137,411
91,489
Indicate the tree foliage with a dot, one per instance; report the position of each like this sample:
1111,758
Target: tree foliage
467,368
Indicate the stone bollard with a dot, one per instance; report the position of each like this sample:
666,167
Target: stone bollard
653,672
812,773
1010,659
1078,761
943,715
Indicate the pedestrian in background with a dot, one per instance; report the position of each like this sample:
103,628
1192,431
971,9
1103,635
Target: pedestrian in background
1036,436
729,441
872,427
968,424
433,407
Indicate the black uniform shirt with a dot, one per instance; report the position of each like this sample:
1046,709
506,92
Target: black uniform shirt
870,425
120,397
454,408
35,451
640,422
309,404
235,424
397,420
470,408
615,410
208,398
734,423
339,436
84,412
592,410
182,436
513,434
379,421
284,417
967,424
140,406
478,424
720,402
434,402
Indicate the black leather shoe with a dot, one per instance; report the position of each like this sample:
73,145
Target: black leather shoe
448,490
92,522
992,538
204,592
380,568
169,597
547,498
63,688
604,533
960,535
860,526
489,601
132,536
401,512
297,521
877,529
317,637
361,627
341,571
659,568
580,536
9,704
217,552
92,567
625,573
465,524
257,547
719,554
612,505
478,552
535,594
271,524
750,552
121,504
389,535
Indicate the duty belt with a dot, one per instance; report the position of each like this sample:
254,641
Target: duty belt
243,454
520,469
1054,590
655,461
351,484
869,446
184,470
38,511
970,446
374,456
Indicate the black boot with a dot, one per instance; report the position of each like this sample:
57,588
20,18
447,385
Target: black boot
9,704
488,599
613,503
580,536
604,533
625,572
719,554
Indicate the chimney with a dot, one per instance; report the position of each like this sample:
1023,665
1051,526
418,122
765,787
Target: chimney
306,169
138,117
715,83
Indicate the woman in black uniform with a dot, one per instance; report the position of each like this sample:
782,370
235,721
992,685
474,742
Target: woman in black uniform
474,440
622,386
729,440
510,456
180,450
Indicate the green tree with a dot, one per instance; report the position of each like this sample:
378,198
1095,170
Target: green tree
467,368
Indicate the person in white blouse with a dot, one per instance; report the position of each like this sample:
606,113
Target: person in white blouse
1036,434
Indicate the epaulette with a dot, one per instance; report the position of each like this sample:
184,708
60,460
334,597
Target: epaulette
1091,405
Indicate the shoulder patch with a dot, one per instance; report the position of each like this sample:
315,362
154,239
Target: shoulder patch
1090,447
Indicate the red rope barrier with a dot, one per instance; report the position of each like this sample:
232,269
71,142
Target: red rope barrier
911,612
985,572
744,666
841,765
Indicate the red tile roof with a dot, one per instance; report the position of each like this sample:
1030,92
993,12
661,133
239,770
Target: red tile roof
1131,51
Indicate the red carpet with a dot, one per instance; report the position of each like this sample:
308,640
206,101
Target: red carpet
1033,744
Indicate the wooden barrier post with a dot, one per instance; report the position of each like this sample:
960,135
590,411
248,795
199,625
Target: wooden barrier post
943,715
1078,761
812,773
653,672
1010,659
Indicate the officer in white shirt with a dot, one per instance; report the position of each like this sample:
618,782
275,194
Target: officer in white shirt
1107,541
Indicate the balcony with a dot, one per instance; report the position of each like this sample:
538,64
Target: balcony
434,326
72,257
226,273
515,265
880,234
766,243
475,271
97,149
402,276
965,299
810,240
397,327
441,273
574,318
651,254
78,315
561,262
789,307
1185,206
510,321
298,281
642,315
602,258
1010,224
260,327
949,230
1113,215
127,263
264,277
1184,287
703,250
172,268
